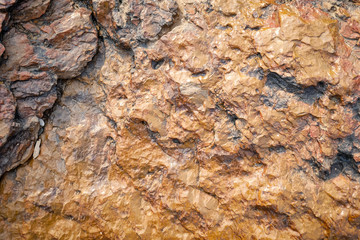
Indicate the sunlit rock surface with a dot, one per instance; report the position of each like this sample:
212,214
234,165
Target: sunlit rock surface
180,119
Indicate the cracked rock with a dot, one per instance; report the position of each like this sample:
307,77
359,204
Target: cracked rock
186,119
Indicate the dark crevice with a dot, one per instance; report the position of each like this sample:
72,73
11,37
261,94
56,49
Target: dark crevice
224,27
209,8
199,74
225,61
287,84
84,3
230,114
257,73
307,94
44,207
277,149
247,27
153,135
175,140
343,163
318,169
274,101
252,56
156,64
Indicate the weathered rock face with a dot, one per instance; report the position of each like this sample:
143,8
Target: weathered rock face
183,119
45,41
132,22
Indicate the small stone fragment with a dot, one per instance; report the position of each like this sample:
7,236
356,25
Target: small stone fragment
37,149
42,123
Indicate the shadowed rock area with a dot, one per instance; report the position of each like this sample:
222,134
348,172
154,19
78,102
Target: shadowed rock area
179,119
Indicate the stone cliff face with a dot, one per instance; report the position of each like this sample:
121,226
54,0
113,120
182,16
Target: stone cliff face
179,119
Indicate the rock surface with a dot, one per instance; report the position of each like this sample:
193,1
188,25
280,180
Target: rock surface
180,119
45,41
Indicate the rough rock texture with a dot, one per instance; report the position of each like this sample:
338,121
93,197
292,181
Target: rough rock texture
44,42
180,119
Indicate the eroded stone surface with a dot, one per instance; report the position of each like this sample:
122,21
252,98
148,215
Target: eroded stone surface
40,48
226,120
132,22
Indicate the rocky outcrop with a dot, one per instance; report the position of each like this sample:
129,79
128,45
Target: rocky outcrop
180,120
44,42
